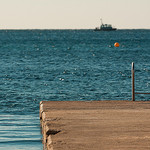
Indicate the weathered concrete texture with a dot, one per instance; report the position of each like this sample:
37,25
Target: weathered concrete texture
95,125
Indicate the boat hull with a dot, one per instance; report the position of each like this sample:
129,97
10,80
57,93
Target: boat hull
113,29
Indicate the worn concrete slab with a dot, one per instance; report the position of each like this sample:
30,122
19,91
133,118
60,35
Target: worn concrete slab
95,125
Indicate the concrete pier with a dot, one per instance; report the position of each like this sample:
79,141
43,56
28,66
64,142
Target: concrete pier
95,125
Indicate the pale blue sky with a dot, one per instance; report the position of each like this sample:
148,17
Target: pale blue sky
73,14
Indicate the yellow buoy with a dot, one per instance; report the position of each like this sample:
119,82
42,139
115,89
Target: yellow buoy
116,44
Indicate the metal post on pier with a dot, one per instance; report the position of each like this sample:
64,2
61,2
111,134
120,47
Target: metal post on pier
133,90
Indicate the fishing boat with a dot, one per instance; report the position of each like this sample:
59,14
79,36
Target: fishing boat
105,27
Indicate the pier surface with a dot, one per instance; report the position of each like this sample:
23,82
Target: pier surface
95,125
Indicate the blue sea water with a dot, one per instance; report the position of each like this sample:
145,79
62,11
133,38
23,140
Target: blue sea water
58,65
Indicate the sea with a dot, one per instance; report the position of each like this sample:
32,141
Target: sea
65,65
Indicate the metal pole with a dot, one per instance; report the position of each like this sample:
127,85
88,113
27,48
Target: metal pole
133,90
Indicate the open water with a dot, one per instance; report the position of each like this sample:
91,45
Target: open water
60,65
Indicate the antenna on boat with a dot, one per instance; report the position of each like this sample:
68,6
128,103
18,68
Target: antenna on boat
101,21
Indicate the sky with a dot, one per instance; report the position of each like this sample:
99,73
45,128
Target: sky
74,14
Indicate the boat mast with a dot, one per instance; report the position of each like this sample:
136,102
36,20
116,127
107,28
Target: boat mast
101,21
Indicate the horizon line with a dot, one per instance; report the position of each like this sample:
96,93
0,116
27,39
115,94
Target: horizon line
69,29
